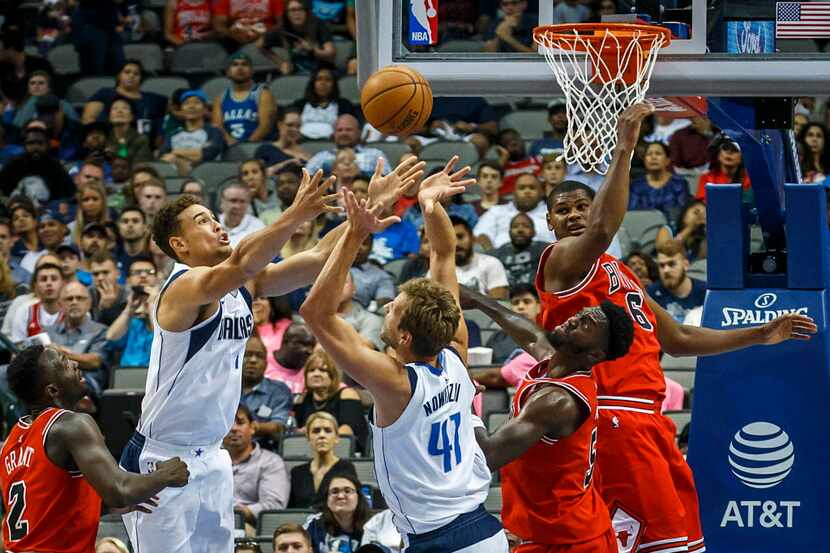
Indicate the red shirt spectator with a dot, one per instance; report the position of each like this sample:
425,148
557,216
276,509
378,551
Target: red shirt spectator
514,160
726,169
245,21
690,145
187,20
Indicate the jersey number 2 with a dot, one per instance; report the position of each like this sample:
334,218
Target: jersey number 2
439,441
18,526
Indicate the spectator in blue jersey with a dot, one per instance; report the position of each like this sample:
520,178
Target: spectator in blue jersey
347,135
676,292
321,105
131,333
196,141
659,188
245,111
554,139
468,119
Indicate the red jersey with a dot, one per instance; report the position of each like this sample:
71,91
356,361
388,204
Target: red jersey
636,375
47,507
548,493
192,19
266,12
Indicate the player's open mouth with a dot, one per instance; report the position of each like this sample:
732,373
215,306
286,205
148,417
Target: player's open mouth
223,238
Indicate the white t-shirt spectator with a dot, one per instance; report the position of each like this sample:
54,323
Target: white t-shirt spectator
248,225
483,273
495,223
20,324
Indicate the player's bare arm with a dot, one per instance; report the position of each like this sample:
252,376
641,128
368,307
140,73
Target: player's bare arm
552,411
75,441
573,255
203,286
679,340
301,269
383,376
441,234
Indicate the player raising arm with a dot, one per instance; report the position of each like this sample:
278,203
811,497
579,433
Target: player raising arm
430,469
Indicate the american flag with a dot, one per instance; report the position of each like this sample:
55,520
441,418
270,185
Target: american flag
802,19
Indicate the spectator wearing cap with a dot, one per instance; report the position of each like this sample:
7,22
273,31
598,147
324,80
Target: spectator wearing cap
148,107
70,257
521,255
188,21
234,206
554,139
726,168
123,140
80,338
659,188
307,39
40,101
347,135
16,65
134,238
109,298
35,174
514,159
51,230
94,240
469,119
196,141
93,144
131,333
245,111
238,23
689,146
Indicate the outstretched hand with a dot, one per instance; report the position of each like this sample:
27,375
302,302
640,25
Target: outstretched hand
629,123
386,190
443,185
363,219
788,327
312,200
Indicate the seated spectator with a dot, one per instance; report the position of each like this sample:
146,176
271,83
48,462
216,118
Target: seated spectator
92,207
554,170
235,202
489,181
164,264
493,229
13,278
194,187
99,42
371,283
80,338
660,188
32,107
289,360
307,39
123,140
397,241
151,196
339,15
142,174
94,241
553,140
245,111
25,298
109,299
134,236
307,480
690,231
263,197
525,302
291,538
324,391
347,135
121,170
93,146
187,21
675,395
381,530
304,238
260,481
45,313
728,167
288,182
148,107
272,316
51,230
520,257
268,400
570,11
369,325
689,146
110,545
339,525
90,171
816,160
483,273
676,292
416,266
26,247
514,159
321,110
644,266
70,258
196,141
16,65
35,174
799,122
514,31
131,334
240,23
470,119
286,149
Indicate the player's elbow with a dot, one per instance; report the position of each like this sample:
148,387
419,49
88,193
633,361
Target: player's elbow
310,311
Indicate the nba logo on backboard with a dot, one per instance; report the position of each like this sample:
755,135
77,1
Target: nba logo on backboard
423,22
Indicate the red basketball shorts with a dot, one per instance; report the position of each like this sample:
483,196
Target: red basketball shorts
605,543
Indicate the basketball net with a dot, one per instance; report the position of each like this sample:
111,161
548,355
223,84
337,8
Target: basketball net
600,75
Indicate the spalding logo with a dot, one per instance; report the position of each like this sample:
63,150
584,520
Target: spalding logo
765,300
761,455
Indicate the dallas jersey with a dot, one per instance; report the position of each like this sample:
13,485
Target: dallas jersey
241,117
428,464
195,380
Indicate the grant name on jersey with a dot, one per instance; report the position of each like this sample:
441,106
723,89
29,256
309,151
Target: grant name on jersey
236,328
450,393
20,457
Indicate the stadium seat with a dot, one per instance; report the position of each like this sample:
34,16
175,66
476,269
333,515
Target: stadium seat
684,377
642,227
685,363
486,334
81,90
64,59
350,90
215,173
680,418
479,318
296,447
493,501
495,420
128,378
238,521
165,86
111,526
164,168
196,58
443,151
260,62
756,239
151,56
392,150
241,151
289,88
365,469
344,51
215,86
266,544
395,268
271,520
173,185
529,123
314,146
698,270
456,46
494,401
119,413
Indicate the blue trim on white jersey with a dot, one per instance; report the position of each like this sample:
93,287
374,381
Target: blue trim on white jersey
248,299
389,483
200,336
132,451
465,531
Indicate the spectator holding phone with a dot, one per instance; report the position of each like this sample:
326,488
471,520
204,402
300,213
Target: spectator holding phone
131,333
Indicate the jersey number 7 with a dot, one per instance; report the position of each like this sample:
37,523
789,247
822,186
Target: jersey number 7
439,441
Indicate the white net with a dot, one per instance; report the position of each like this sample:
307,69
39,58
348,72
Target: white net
591,75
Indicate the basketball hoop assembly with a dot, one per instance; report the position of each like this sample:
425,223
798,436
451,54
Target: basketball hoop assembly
602,68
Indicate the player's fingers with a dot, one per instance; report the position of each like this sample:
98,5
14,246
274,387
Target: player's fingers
805,328
419,168
391,220
329,182
329,198
465,183
460,173
406,164
333,209
379,168
450,164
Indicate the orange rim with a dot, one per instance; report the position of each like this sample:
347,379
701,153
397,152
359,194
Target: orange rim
595,33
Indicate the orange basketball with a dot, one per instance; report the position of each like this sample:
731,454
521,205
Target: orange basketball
396,100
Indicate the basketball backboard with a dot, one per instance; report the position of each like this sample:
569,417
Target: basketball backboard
728,48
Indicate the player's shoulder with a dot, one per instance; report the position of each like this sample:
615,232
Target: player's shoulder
71,425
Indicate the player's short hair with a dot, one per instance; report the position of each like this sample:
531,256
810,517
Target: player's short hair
25,375
322,360
431,316
671,248
567,186
167,224
292,528
620,330
523,288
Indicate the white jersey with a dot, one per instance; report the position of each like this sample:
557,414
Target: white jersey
428,463
195,380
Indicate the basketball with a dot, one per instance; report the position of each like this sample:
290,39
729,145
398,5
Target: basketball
396,100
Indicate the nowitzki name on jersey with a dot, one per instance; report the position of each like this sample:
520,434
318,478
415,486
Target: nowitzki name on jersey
449,394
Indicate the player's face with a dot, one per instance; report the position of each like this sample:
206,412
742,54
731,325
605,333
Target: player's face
521,231
205,240
291,543
568,213
322,436
342,496
393,310
581,336
526,305
66,378
672,269
255,360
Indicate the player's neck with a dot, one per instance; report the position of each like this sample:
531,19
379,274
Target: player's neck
560,368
